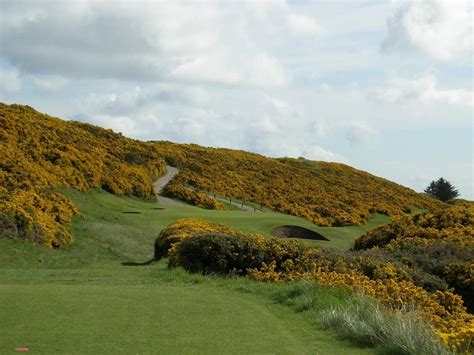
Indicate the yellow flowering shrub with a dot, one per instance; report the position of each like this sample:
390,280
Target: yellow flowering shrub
451,223
176,189
328,194
440,243
183,228
40,153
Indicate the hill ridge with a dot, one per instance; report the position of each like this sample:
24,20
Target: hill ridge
43,154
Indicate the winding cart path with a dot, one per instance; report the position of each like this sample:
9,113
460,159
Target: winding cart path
171,172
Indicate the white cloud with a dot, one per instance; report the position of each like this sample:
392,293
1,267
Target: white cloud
50,84
441,29
199,42
10,81
424,90
316,152
300,24
123,124
359,132
280,106
318,128
266,125
231,68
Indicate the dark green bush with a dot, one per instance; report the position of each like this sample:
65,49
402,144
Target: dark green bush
224,254
219,253
8,225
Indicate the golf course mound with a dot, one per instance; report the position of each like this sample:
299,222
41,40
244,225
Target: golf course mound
296,232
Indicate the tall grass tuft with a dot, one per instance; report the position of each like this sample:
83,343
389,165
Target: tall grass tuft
366,322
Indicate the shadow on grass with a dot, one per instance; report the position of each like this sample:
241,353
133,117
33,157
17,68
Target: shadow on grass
134,263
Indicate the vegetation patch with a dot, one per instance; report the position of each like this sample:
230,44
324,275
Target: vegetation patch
367,322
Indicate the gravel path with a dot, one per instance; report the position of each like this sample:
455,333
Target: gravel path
159,184
171,172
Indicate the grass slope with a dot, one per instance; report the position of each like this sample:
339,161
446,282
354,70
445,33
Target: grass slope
82,299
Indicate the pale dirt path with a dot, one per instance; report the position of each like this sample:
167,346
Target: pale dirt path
171,172
159,184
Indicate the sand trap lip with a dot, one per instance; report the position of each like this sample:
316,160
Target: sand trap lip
289,231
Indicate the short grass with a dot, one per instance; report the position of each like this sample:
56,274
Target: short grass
84,299
150,218
152,311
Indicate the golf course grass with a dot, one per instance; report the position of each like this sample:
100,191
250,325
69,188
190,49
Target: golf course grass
100,295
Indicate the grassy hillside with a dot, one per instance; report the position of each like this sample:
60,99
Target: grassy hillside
89,296
41,153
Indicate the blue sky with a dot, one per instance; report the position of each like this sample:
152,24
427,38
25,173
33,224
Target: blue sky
384,86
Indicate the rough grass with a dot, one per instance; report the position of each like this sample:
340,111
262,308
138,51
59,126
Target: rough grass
363,321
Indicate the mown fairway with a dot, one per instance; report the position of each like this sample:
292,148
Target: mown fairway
95,297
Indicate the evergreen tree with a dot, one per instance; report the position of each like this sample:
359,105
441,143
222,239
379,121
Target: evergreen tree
442,190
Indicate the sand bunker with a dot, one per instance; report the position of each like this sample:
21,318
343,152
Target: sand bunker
296,232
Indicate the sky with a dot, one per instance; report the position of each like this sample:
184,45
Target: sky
384,86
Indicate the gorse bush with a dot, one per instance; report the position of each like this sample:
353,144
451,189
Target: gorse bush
439,243
177,190
236,254
41,153
40,217
272,260
184,228
328,194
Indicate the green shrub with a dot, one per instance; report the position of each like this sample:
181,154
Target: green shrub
218,253
224,254
184,228
8,225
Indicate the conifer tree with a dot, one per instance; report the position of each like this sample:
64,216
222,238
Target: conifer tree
442,190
